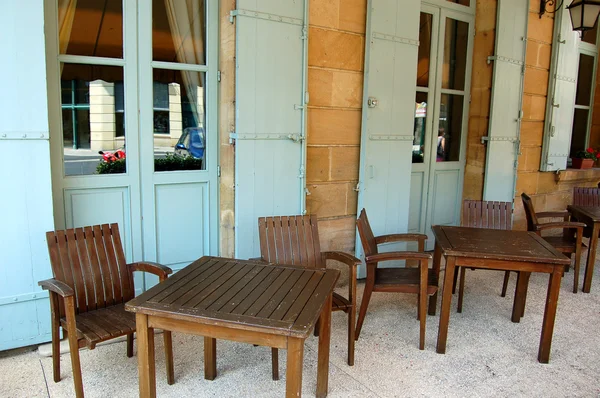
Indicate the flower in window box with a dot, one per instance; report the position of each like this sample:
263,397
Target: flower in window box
585,159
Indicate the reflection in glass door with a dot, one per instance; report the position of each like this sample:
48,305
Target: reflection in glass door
441,109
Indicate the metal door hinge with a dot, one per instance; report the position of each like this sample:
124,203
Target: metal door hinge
232,138
218,75
218,171
357,187
301,172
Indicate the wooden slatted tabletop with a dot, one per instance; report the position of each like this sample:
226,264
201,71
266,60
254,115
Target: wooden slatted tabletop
269,305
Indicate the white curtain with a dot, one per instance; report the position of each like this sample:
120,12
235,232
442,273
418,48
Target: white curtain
186,21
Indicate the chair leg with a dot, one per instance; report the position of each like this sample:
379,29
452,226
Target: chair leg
576,269
461,289
316,331
455,279
74,346
168,339
363,309
505,283
275,363
54,307
129,345
422,304
351,335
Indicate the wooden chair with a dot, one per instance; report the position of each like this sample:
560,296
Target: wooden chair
421,281
483,214
567,243
586,196
90,287
294,240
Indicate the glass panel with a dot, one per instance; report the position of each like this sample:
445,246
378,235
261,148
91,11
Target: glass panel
179,120
450,128
455,54
424,50
578,137
91,120
419,127
461,2
589,36
179,31
91,27
584,79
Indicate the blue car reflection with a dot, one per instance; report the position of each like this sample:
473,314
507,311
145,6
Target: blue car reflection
191,143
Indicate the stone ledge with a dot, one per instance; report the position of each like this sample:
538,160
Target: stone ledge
578,175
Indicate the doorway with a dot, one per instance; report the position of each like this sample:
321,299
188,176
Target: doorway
440,120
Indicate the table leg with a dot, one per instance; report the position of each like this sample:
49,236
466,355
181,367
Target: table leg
589,268
210,358
550,314
437,263
324,341
445,307
145,352
520,296
293,375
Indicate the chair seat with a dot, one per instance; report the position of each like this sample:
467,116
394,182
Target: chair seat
103,324
562,244
340,303
403,280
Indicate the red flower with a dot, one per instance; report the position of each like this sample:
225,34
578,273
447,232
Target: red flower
590,150
598,155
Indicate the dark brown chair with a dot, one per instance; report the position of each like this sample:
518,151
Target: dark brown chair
421,281
567,243
90,287
586,196
294,240
483,214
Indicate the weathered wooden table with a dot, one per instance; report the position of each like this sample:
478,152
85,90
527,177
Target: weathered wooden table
520,251
243,301
591,217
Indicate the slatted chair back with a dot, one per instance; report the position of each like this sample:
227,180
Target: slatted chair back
92,262
586,196
532,219
290,240
366,234
487,214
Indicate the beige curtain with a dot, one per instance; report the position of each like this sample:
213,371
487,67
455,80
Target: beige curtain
66,15
186,21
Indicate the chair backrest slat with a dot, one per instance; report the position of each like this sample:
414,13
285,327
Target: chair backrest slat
532,219
290,240
583,196
487,214
366,234
92,262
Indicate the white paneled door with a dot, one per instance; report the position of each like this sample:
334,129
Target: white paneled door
139,78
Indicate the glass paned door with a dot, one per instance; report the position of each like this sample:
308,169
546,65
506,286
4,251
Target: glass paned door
441,111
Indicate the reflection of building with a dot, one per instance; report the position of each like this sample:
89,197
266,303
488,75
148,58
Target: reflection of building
94,113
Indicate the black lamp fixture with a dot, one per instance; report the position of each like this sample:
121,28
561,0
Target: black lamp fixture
584,13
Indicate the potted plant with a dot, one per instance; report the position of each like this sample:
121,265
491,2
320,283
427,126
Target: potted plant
585,159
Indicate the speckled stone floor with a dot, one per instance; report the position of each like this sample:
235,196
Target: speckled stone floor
487,355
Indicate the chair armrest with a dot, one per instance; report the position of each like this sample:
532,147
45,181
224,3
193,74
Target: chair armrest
397,256
153,268
400,238
58,287
548,214
560,224
342,257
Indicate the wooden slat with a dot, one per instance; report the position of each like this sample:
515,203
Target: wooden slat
245,301
111,259
272,256
282,307
95,267
86,271
275,299
71,247
315,241
107,277
278,240
291,309
126,282
262,235
316,301
295,241
308,236
286,241
242,287
257,301
216,290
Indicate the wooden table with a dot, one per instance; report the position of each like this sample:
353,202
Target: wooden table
591,217
520,251
243,301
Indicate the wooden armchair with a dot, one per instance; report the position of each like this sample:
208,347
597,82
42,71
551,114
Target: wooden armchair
421,281
483,214
294,240
90,287
567,243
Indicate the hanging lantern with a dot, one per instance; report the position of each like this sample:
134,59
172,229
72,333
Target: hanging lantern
584,14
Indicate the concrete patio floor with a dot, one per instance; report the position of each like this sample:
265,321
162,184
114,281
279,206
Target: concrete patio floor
487,355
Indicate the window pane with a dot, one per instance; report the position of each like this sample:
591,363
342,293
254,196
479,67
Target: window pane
450,128
179,120
179,31
419,127
584,79
424,50
91,27
91,121
461,2
589,36
578,137
455,54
